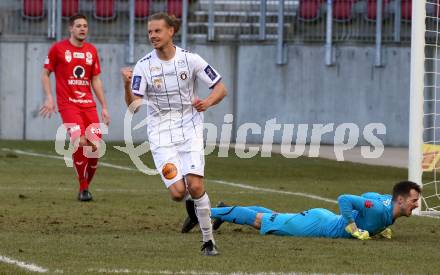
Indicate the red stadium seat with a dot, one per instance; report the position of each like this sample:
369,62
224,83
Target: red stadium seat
141,9
342,10
70,8
309,10
372,8
406,10
174,7
105,9
33,9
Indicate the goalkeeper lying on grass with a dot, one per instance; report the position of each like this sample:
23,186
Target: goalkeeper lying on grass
361,216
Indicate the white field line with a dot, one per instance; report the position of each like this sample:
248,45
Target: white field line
20,152
268,190
237,185
27,266
186,272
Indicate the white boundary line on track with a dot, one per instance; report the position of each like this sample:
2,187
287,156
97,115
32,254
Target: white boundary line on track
237,185
27,266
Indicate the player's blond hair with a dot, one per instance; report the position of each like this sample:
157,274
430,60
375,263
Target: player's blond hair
170,20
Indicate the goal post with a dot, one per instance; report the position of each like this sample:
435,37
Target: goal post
417,72
424,114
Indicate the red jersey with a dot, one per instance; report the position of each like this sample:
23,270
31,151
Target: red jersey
74,68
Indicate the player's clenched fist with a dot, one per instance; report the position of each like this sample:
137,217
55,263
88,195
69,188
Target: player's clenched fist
127,74
200,105
356,232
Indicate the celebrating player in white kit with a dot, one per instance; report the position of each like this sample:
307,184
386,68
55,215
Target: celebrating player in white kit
166,79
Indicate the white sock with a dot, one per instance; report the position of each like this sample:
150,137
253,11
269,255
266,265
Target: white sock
203,211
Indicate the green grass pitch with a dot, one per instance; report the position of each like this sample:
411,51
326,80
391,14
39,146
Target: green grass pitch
132,225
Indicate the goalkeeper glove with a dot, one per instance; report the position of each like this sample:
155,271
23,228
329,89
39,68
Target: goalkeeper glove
357,233
387,233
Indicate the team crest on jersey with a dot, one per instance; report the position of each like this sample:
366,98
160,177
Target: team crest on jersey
368,204
89,58
181,64
183,75
68,56
157,82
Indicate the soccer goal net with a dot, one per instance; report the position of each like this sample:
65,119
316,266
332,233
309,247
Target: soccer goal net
424,130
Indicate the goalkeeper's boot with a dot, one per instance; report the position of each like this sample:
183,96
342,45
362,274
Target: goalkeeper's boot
191,221
216,223
209,248
85,195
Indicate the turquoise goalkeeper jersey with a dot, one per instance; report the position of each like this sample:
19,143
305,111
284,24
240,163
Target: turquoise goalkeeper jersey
371,211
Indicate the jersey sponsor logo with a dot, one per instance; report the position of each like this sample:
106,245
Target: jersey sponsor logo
368,204
183,75
136,82
157,82
80,94
79,72
78,55
80,101
273,217
78,82
169,171
210,72
155,69
387,202
89,58
46,60
181,64
68,56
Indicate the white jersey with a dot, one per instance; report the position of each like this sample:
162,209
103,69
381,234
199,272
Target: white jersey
170,88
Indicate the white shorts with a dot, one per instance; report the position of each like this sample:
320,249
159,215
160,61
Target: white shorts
175,161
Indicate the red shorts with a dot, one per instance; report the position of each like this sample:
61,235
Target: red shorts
81,122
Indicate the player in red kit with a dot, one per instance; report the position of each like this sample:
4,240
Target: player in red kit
76,67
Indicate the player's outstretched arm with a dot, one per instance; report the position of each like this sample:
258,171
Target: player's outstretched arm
218,93
48,107
99,92
132,101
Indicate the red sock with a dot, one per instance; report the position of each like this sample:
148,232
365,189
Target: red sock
91,169
80,162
